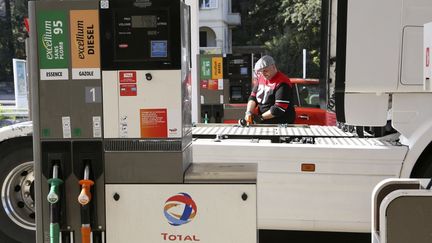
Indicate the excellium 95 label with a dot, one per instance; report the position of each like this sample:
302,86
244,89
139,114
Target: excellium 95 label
53,45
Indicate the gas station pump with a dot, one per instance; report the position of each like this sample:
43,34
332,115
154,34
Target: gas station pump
112,120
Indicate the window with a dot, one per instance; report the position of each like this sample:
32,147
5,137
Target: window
208,4
203,38
309,95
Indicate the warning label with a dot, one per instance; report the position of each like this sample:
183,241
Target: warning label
127,76
153,123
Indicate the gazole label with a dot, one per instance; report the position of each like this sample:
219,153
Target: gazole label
85,44
53,45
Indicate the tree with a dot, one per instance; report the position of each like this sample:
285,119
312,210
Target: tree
6,45
12,35
259,22
302,21
285,27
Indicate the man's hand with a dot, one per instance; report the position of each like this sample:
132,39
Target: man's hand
257,119
248,117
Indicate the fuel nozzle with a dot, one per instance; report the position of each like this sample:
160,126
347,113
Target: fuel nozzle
53,198
86,184
84,199
206,118
55,182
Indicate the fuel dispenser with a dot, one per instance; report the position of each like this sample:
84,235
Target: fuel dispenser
239,71
113,141
67,116
214,90
224,97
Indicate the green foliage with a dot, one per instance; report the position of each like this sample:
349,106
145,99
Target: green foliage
304,14
285,27
2,116
12,35
258,22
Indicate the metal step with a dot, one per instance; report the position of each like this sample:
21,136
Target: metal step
353,141
210,130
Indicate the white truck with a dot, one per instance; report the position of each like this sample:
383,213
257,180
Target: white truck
309,177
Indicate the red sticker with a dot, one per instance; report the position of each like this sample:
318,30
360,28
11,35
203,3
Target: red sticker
127,77
213,84
204,84
128,90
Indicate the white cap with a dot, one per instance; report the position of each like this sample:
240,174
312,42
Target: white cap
264,62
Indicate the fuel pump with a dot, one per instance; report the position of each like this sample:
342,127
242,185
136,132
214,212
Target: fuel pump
112,104
65,76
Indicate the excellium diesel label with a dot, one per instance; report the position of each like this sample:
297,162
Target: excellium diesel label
85,44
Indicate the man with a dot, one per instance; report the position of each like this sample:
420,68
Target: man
272,95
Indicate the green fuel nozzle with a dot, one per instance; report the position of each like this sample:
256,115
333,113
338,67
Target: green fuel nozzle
53,198
55,182
206,118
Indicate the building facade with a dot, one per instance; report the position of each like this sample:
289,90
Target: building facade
216,21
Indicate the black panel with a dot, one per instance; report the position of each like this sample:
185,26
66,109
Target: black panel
240,90
341,59
238,65
138,35
277,236
56,153
87,152
324,80
238,69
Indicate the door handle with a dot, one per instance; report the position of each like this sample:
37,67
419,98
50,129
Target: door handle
304,117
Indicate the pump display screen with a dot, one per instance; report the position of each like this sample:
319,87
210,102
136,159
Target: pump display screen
144,21
142,36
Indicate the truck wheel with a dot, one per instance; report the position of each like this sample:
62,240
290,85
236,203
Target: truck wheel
17,213
423,167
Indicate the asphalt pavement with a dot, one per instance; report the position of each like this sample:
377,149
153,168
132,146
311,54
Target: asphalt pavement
272,236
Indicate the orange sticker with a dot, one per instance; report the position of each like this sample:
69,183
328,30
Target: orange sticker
85,38
217,68
153,123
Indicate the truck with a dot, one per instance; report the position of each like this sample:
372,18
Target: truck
313,178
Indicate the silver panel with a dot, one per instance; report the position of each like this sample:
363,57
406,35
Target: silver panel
147,167
221,173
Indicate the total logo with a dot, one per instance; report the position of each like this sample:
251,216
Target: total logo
173,131
180,209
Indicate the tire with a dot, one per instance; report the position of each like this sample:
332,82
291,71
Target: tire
423,167
17,215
